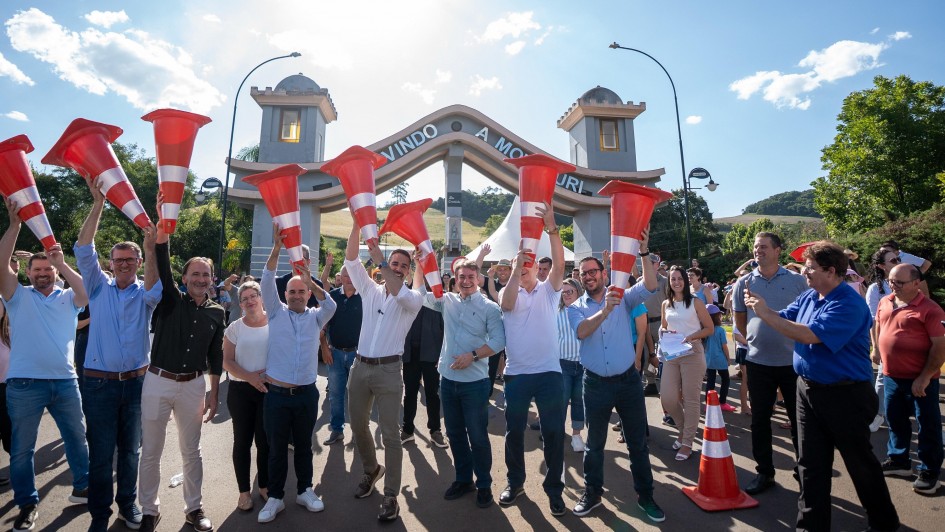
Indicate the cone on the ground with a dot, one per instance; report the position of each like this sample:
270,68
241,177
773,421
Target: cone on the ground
537,176
718,486
279,189
406,221
18,184
354,168
174,135
631,207
85,146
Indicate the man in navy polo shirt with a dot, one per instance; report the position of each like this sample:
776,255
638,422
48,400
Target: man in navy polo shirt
830,325
343,329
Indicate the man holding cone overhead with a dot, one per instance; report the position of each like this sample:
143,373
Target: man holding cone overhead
115,364
388,312
533,369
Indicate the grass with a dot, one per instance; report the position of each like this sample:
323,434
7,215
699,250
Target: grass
337,225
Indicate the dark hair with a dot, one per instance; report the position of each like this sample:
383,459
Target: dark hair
696,271
595,259
205,260
465,263
126,246
892,244
36,256
5,329
403,252
687,295
828,255
775,239
716,319
544,260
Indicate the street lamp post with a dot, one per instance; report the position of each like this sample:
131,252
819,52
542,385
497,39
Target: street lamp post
682,159
229,157
696,173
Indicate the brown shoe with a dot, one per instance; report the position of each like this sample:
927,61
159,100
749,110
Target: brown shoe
199,520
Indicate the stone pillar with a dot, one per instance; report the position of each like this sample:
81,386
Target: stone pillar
453,167
591,232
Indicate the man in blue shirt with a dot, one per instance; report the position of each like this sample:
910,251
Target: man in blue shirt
41,376
603,322
830,325
116,360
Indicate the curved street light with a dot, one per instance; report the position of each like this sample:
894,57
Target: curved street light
229,157
206,188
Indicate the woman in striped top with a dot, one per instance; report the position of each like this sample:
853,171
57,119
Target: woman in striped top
572,371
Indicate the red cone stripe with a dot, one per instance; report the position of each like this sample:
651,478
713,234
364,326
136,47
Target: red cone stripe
711,434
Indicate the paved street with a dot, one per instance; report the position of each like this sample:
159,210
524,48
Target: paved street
428,472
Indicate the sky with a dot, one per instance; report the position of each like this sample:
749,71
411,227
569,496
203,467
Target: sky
759,84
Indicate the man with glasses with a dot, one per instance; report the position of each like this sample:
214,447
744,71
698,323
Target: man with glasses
909,339
830,325
116,360
603,322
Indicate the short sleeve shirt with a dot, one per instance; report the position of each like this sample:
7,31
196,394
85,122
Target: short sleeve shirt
531,331
42,334
765,345
905,334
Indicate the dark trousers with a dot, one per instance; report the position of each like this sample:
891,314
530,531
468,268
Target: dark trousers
290,418
245,403
414,372
494,368
466,415
900,404
548,391
6,429
601,397
838,417
763,384
723,387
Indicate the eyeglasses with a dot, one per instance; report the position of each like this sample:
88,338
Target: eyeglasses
129,260
590,273
895,260
250,297
900,284
569,292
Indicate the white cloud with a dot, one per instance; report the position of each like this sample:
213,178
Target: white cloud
147,72
841,59
18,116
106,19
427,95
13,72
210,17
693,119
443,76
900,35
874,31
514,48
481,84
541,39
511,25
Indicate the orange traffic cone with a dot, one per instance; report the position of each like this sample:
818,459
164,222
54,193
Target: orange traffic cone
17,183
354,169
537,175
406,221
279,189
718,487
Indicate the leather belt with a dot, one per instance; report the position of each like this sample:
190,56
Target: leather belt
815,384
346,349
115,376
379,360
294,390
619,377
176,377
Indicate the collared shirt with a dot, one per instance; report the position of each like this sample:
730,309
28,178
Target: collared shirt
841,321
531,332
282,283
609,350
468,324
767,346
187,337
905,334
385,319
119,336
345,326
42,333
293,336
569,347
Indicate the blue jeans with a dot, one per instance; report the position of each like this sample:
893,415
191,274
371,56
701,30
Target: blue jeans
466,416
547,390
338,372
573,374
26,399
113,415
290,418
625,393
900,404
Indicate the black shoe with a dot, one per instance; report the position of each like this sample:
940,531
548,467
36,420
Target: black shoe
484,497
335,437
199,520
535,426
669,421
27,518
758,484
588,502
4,481
389,509
149,523
556,503
457,490
509,494
650,390
897,469
927,483
79,496
366,486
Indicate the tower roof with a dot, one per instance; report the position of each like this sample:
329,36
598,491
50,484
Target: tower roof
298,84
297,90
599,102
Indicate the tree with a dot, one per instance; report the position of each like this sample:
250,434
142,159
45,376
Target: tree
668,228
400,193
492,223
792,203
249,153
740,240
890,145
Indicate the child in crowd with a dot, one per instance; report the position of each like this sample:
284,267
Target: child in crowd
741,353
717,358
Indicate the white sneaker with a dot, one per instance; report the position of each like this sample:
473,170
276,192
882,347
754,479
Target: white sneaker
270,510
877,421
310,501
578,444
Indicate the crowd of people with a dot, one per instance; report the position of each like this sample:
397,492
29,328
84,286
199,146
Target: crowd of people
156,348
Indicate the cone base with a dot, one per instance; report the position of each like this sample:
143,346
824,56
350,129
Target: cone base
715,504
169,226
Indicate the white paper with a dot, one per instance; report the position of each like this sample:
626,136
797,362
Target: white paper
674,345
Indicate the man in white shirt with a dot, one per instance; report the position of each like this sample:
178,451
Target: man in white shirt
377,373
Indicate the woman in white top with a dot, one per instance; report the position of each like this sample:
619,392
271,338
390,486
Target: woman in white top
681,389
245,345
881,263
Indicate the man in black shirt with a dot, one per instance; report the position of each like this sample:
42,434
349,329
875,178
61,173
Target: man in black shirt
343,331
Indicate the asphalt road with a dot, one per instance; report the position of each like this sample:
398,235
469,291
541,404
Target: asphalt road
428,472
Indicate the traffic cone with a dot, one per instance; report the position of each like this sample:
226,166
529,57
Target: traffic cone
631,207
174,135
406,221
86,147
354,168
18,184
279,189
718,486
537,175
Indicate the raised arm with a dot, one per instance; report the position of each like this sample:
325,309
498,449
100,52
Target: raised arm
90,226
326,271
649,270
273,261
556,275
483,253
392,281
510,292
8,280
80,297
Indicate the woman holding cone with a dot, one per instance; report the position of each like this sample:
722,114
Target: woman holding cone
681,387
245,345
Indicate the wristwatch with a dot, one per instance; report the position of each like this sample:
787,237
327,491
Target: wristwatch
644,253
475,355
552,231
383,264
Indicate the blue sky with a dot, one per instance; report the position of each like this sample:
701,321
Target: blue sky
759,83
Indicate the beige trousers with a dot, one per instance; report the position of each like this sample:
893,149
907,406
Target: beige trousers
384,384
681,391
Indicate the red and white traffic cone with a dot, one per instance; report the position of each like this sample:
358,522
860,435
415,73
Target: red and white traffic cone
279,189
18,184
718,486
537,175
354,168
406,221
